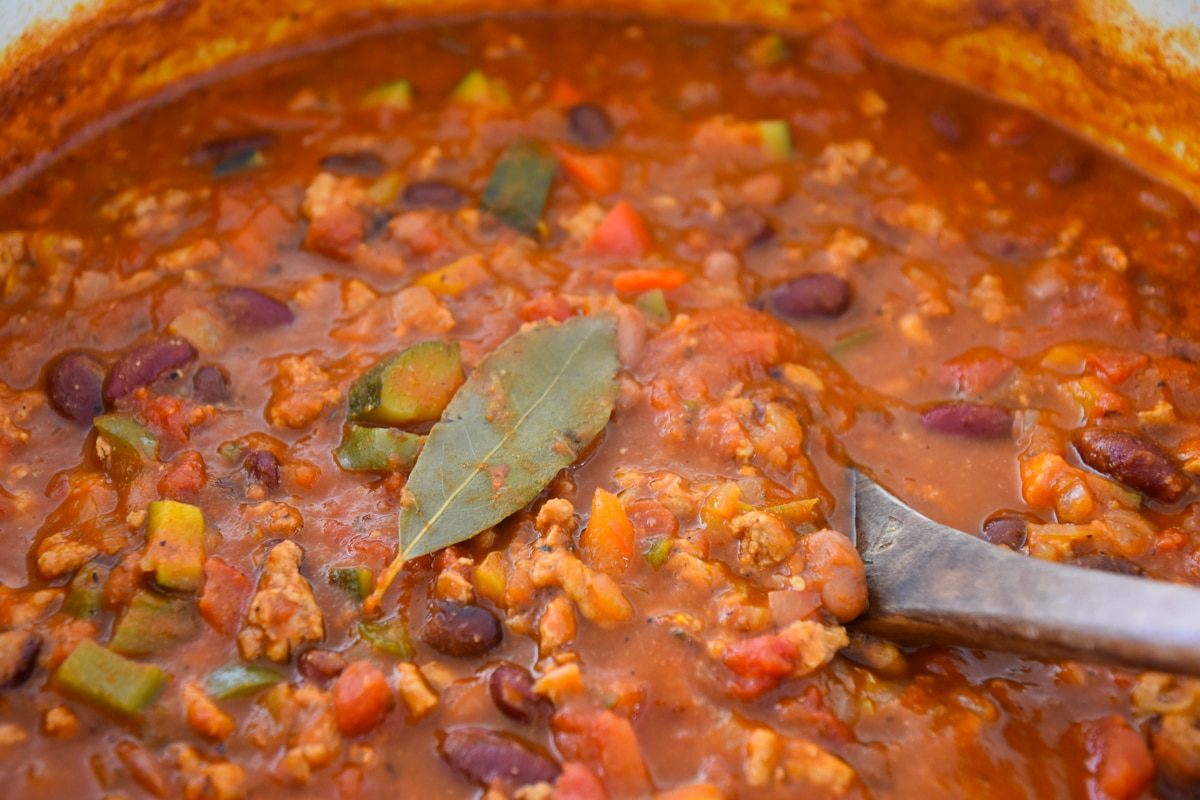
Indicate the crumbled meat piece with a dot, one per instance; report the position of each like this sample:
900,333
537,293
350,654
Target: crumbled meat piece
557,625
189,256
204,716
336,224
765,539
597,596
313,740
60,722
301,393
283,613
209,780
841,161
418,310
419,697
272,520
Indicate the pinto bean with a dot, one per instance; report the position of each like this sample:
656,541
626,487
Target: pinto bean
815,295
461,631
142,365
210,384
834,568
18,656
252,310
485,757
511,690
1133,460
263,468
433,194
362,163
972,420
590,125
74,385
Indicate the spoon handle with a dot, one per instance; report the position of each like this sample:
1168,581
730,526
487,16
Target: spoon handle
932,584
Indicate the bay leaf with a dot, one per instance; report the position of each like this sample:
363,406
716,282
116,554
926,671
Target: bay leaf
528,410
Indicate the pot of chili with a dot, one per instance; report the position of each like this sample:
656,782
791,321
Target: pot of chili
402,400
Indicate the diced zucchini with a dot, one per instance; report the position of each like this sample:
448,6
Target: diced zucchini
477,89
654,305
175,545
358,581
517,190
110,681
87,591
415,385
396,95
656,555
123,432
768,50
153,622
239,680
849,341
388,636
797,512
247,160
776,138
378,449
384,189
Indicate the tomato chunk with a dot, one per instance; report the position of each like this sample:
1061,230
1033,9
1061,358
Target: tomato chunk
622,233
361,698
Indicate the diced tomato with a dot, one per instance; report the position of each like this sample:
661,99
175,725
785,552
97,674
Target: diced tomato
564,94
606,543
606,744
976,370
258,239
349,781
760,663
622,233
1123,765
361,698
577,782
546,306
187,476
1116,365
336,233
223,595
598,172
643,280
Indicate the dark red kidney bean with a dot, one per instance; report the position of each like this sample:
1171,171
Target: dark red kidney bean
251,310
433,194
263,467
461,631
816,295
511,690
1007,530
18,656
948,125
74,385
210,384
485,757
320,665
1133,460
221,149
589,125
362,163
972,420
744,227
144,363
1107,563
1069,167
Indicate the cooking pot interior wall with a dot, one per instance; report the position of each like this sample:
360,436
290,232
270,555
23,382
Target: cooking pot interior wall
1125,77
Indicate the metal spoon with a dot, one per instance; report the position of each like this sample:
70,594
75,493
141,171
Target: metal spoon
931,584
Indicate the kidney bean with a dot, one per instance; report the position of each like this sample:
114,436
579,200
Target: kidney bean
74,385
1069,167
18,656
461,631
363,163
251,310
511,690
1007,530
948,125
816,295
590,124
144,363
221,149
433,194
1133,460
210,384
485,757
972,420
1107,563
321,665
263,468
